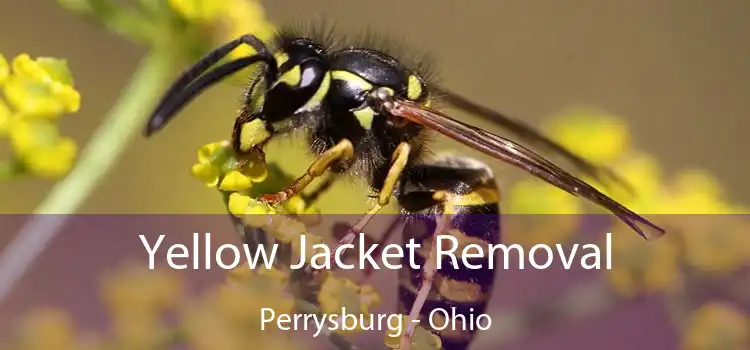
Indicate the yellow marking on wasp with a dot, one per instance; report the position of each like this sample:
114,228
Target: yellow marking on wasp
459,291
320,94
257,97
448,207
352,78
291,77
413,88
252,134
480,196
365,117
281,58
389,90
462,239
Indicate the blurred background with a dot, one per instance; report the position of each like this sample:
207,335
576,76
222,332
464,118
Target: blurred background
674,71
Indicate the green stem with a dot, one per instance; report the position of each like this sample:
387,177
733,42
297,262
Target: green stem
96,161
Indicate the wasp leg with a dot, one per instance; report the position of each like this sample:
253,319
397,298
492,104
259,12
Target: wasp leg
381,242
398,163
341,152
428,271
314,195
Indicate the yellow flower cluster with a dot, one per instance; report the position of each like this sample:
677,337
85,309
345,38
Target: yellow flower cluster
680,204
229,18
540,214
218,167
37,92
716,325
141,303
643,267
229,317
337,293
421,339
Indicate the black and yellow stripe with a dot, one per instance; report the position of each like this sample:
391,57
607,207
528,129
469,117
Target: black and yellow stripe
473,201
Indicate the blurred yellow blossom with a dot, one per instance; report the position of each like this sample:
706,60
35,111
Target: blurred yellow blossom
640,266
135,289
242,17
714,243
532,196
643,172
337,293
697,192
597,136
38,144
199,10
312,247
421,339
229,317
717,326
41,88
4,69
229,18
532,205
6,116
37,91
47,329
287,229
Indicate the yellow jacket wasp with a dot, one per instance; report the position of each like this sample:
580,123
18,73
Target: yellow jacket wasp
367,113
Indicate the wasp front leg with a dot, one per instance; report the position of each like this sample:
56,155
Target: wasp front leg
398,164
342,152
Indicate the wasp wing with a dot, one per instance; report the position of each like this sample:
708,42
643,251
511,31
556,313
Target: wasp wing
529,134
515,154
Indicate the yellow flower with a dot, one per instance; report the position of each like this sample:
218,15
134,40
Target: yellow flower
697,192
41,148
6,117
244,17
136,290
48,329
206,173
311,240
534,206
216,162
596,136
41,88
337,293
235,181
715,326
640,266
138,330
643,172
4,69
532,196
241,302
36,92
199,10
270,276
714,243
286,229
421,339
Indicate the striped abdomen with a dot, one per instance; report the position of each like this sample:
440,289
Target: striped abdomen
457,290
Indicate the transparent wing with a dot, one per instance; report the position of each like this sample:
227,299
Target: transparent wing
519,156
534,137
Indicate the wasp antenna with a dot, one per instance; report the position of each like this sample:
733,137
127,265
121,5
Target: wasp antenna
186,87
179,100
